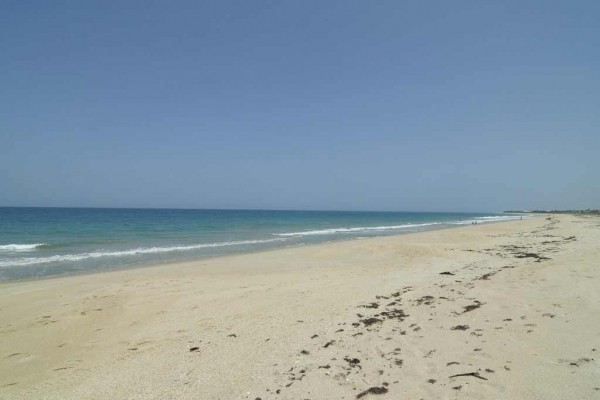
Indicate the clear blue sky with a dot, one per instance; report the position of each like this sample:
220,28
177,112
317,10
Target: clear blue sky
358,105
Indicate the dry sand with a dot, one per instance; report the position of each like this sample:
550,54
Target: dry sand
516,316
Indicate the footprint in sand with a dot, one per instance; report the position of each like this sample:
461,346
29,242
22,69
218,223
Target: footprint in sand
62,368
20,357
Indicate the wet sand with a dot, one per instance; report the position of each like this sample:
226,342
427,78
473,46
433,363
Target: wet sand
505,310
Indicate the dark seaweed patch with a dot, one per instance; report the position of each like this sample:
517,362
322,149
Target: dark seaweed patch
460,328
473,374
371,321
373,390
471,307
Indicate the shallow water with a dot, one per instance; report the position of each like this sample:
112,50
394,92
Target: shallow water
38,242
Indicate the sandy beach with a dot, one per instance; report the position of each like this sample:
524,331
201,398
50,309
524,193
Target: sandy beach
506,310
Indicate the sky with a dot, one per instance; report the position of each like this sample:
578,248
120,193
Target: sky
330,105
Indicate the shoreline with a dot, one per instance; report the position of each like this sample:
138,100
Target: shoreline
155,264
488,311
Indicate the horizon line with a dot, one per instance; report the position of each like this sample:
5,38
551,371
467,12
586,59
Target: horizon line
248,209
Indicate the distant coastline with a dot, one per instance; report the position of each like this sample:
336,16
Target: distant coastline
587,211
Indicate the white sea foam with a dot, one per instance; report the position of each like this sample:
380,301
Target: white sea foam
332,231
483,220
25,261
19,247
342,230
499,217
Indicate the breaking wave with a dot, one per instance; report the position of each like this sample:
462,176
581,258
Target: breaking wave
24,261
20,247
333,231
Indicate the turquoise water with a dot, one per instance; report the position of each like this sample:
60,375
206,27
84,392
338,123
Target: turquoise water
39,242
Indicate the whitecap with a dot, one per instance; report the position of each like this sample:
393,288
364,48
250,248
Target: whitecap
20,247
332,231
25,261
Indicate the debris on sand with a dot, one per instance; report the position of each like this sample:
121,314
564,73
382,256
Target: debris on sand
353,362
371,321
373,390
531,255
473,374
370,305
459,328
581,361
425,300
393,314
472,307
487,276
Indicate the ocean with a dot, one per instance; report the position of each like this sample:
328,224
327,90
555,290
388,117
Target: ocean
41,242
